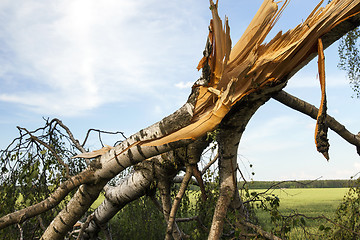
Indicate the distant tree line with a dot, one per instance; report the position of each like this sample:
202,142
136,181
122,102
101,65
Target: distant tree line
299,184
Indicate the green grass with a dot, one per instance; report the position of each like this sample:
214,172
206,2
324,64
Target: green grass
311,202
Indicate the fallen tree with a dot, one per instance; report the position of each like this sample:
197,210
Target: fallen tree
234,83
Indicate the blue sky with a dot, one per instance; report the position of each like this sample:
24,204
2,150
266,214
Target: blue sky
123,65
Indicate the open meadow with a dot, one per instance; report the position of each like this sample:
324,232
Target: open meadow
311,202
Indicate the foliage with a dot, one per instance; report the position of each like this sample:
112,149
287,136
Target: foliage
32,166
138,220
205,209
142,214
346,224
30,171
350,59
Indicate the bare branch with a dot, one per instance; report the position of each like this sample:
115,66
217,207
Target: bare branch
310,110
21,231
41,222
164,188
99,132
197,175
195,218
228,140
177,201
71,136
259,230
273,186
209,164
84,226
179,179
156,202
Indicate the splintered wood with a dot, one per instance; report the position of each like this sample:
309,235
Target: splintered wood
252,64
321,129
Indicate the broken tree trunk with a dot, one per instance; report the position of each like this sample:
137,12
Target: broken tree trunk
235,74
234,78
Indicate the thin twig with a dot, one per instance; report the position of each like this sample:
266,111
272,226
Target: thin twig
84,226
209,164
50,149
259,230
194,218
21,231
71,136
99,132
277,184
41,222
156,202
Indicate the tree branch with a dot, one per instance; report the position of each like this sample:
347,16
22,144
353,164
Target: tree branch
177,201
228,145
84,226
71,136
50,149
209,164
259,230
55,198
99,133
164,188
310,110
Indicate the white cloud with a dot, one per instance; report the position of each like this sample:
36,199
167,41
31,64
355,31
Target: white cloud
183,85
84,53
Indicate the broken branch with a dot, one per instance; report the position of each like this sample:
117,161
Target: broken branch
310,110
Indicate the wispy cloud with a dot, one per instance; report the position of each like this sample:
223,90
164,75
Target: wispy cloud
80,54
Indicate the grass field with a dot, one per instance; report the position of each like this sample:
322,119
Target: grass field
311,202
308,201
